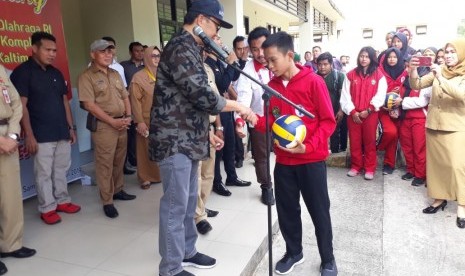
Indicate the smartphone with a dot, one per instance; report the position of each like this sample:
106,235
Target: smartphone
424,61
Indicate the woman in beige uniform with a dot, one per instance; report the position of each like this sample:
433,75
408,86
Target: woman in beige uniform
141,96
445,128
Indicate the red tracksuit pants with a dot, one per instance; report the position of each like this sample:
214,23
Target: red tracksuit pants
413,143
363,143
389,138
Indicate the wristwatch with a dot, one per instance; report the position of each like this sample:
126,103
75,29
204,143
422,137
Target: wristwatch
14,136
220,128
369,111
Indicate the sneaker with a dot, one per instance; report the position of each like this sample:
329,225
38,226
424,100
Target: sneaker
68,208
369,175
287,263
353,172
407,176
328,269
199,260
387,169
418,181
50,217
184,273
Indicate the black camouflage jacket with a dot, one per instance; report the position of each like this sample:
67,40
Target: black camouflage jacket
182,102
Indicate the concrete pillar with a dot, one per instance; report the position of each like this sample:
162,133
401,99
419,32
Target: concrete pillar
145,22
306,31
234,14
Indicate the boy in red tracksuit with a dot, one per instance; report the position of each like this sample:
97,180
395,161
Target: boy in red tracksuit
300,170
363,93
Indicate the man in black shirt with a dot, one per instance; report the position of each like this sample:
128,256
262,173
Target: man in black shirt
48,126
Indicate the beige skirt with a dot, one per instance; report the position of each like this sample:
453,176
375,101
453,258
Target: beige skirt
445,165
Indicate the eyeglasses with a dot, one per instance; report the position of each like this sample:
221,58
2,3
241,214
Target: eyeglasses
155,55
218,26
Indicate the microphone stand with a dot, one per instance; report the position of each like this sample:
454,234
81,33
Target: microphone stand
269,92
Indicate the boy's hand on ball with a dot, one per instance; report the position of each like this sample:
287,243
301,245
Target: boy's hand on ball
299,148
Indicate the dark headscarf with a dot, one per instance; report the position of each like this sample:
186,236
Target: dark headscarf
394,71
403,50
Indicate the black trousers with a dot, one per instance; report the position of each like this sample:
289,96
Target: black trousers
343,133
239,149
310,181
227,152
131,146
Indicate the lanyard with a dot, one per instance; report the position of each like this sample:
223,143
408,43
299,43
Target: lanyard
151,76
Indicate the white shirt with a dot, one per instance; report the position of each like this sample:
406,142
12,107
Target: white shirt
250,93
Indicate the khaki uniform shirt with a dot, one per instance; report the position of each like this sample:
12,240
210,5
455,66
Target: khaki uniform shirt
10,103
446,109
105,90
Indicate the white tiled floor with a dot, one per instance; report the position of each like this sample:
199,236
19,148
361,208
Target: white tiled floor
90,244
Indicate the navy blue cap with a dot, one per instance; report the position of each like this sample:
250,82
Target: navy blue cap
211,8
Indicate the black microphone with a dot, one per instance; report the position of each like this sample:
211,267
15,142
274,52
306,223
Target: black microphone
221,53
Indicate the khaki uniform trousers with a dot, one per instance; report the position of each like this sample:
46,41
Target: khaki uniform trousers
206,176
11,202
109,153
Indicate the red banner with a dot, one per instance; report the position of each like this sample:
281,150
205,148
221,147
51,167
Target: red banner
19,19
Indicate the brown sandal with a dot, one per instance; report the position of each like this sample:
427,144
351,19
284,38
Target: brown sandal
145,185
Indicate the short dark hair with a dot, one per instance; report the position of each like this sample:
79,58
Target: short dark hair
190,17
238,39
36,38
109,38
325,56
257,33
134,44
373,61
316,47
282,40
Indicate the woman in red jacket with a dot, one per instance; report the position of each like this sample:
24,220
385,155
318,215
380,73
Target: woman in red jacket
393,68
363,93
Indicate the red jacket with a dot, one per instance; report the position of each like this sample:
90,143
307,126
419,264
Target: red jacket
308,90
363,89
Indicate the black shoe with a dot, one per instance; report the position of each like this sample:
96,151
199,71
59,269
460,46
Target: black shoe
238,182
200,261
23,252
122,195
387,169
128,171
267,197
211,213
110,210
203,227
328,269
287,263
460,222
239,164
431,209
221,189
418,181
3,269
408,176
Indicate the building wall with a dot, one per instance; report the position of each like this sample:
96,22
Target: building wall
145,22
261,16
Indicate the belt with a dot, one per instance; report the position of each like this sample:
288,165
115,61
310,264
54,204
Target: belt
4,122
119,117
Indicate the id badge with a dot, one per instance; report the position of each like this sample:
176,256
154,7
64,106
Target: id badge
6,96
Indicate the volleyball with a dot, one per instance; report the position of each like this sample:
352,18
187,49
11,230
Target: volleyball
287,130
390,99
